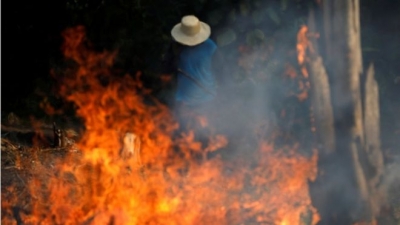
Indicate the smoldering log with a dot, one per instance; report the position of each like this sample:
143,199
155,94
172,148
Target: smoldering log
51,136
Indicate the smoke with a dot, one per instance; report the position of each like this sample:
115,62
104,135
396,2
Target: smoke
258,52
391,181
255,41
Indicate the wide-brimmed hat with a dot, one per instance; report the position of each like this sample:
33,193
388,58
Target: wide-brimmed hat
191,31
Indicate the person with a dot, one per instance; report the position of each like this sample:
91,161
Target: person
195,59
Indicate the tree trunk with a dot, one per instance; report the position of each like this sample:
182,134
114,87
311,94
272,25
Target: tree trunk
346,71
320,95
322,115
372,138
346,185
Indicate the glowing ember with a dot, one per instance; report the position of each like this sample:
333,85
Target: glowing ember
303,45
100,187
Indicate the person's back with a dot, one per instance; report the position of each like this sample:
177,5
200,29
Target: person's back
196,81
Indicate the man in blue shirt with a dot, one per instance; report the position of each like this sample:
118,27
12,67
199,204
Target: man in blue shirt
196,61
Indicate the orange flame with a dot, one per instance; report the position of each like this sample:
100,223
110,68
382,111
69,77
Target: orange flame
303,45
100,187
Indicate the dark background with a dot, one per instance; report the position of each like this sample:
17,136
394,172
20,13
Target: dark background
30,38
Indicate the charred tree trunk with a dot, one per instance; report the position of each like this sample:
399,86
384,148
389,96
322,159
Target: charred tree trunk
373,150
351,194
350,162
320,95
346,69
322,115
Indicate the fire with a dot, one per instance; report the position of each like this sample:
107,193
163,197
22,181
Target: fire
303,45
169,186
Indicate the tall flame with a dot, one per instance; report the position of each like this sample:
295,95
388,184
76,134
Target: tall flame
99,187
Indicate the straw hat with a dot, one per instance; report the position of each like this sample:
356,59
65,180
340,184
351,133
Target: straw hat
191,31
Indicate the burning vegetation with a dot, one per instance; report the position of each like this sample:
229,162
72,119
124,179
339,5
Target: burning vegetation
316,160
170,185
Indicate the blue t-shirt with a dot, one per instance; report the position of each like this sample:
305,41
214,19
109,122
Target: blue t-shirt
196,61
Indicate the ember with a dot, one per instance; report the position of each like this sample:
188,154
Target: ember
168,186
